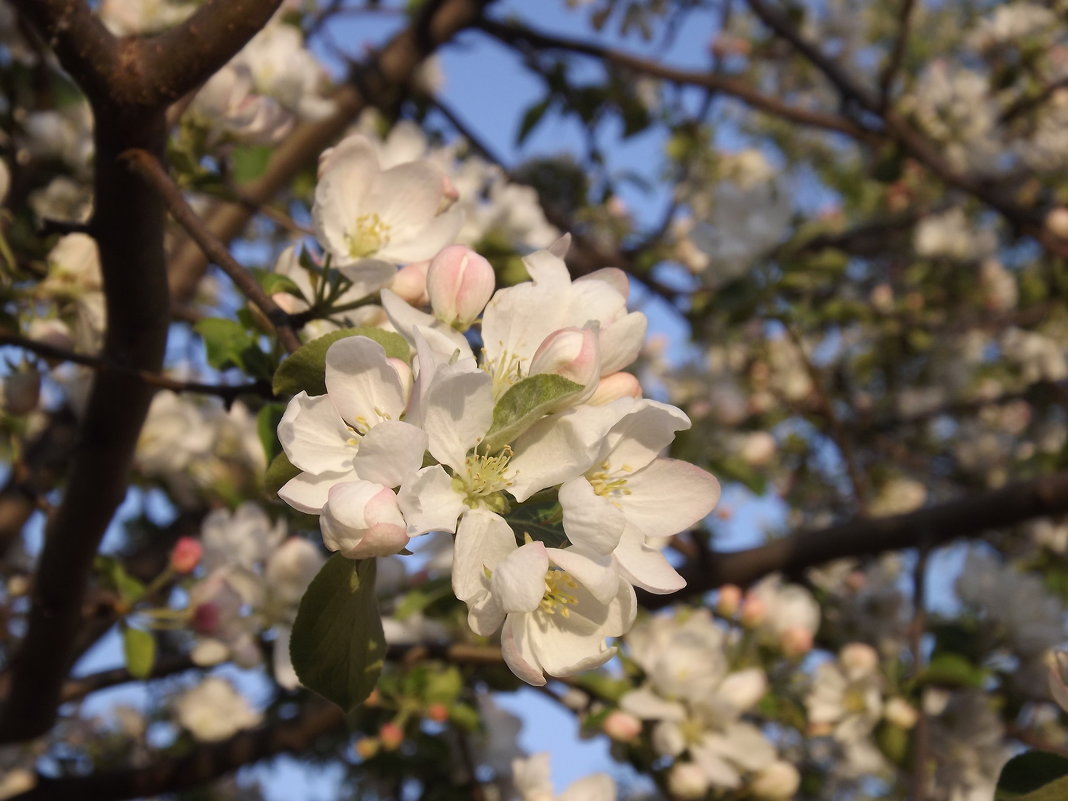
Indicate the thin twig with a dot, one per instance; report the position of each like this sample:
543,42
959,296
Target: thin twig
897,54
152,171
921,736
228,392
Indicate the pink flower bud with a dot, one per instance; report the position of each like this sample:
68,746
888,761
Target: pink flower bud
361,519
449,194
437,712
570,352
367,747
754,610
615,386
1057,222
459,283
391,736
21,392
729,600
206,618
796,641
410,283
185,555
622,726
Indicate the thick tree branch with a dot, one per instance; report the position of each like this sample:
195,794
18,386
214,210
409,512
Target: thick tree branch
933,526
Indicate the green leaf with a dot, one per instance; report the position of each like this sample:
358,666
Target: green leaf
139,648
279,471
129,589
531,117
952,670
541,518
337,645
443,686
524,404
1033,776
273,282
249,163
230,344
306,369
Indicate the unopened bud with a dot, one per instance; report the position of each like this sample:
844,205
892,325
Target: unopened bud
622,726
367,747
900,713
729,600
410,283
754,610
437,712
459,283
391,736
570,352
778,780
374,699
796,641
449,194
21,392
615,386
1057,222
185,555
686,780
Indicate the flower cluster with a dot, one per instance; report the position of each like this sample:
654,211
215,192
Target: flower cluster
536,451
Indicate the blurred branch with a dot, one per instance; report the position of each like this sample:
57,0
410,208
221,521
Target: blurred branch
85,685
968,517
736,88
897,54
228,392
921,733
169,774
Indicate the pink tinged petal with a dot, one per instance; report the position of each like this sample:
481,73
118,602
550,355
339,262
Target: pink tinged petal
641,434
669,496
590,520
314,436
391,452
596,573
410,283
647,705
426,240
518,581
517,651
483,540
459,410
645,567
429,503
561,246
407,319
308,492
621,341
611,278
361,519
459,283
363,386
615,386
570,352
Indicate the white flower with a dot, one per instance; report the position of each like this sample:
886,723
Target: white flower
552,624
214,711
532,780
245,538
363,212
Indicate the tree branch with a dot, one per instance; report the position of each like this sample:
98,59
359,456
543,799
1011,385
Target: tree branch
970,516
153,172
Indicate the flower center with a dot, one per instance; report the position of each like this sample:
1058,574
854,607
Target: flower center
558,597
505,371
483,480
369,235
609,483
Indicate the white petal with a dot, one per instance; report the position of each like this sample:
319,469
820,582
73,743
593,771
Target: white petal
308,492
561,650
391,452
426,241
459,410
518,581
645,567
429,503
590,520
367,276
598,787
669,496
406,319
284,673
647,705
643,433
621,341
362,383
483,540
314,436
595,572
517,651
